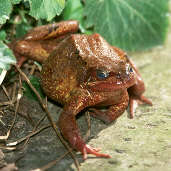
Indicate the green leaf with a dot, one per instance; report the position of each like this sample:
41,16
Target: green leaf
22,29
3,73
15,1
46,9
36,83
5,10
129,24
2,35
74,11
6,57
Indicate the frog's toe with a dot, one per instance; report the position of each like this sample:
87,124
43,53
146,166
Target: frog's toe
90,150
145,100
135,101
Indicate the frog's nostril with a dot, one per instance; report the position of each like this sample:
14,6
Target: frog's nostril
118,75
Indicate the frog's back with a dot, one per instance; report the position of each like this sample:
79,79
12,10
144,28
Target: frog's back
63,71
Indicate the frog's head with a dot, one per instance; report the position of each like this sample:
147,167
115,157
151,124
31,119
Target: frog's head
108,67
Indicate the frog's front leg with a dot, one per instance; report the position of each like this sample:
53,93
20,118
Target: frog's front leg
68,126
113,112
39,42
136,91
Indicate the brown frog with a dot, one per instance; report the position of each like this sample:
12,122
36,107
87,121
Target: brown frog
82,71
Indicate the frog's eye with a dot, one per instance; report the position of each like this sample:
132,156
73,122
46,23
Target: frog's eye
102,74
128,69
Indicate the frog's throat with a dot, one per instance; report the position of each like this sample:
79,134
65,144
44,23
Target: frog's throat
112,86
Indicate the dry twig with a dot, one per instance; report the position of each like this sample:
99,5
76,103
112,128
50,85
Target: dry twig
49,117
52,163
87,114
17,104
28,136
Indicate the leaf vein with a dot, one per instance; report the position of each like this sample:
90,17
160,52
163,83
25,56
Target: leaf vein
140,16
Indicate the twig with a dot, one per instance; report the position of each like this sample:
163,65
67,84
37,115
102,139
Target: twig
22,115
4,138
32,69
52,163
33,131
1,117
6,103
15,114
14,91
28,136
10,102
2,75
87,114
5,91
7,148
17,105
49,117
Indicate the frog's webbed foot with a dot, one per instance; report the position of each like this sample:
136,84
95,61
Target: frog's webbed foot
90,150
78,144
134,101
70,131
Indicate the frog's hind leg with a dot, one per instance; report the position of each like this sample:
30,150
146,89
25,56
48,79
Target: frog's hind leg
54,30
134,101
39,42
136,92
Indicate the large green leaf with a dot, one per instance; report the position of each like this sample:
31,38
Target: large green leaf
15,1
2,35
6,57
129,24
5,10
73,10
46,9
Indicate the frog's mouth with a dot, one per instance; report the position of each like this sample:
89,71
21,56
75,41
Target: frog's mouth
113,83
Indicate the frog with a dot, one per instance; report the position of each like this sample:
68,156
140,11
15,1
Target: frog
82,72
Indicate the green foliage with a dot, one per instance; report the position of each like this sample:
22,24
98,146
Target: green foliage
129,24
22,29
5,10
46,9
39,9
2,35
6,57
74,10
23,25
36,83
15,1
